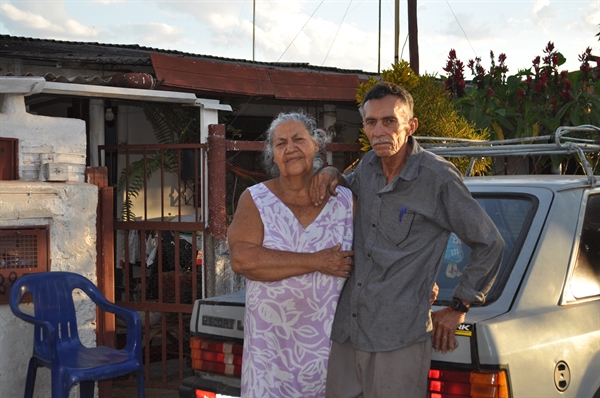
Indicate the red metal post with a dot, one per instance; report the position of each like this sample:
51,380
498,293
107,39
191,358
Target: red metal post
106,327
217,215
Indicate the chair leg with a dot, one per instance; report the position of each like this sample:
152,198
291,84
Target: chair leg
30,381
140,383
86,389
60,386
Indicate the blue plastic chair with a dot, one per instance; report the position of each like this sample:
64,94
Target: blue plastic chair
56,342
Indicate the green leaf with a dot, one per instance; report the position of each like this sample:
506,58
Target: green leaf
556,161
561,59
575,118
498,131
506,123
512,82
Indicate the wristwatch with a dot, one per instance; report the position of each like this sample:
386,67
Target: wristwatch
458,305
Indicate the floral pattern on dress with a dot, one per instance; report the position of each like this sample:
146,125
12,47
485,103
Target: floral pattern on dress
288,323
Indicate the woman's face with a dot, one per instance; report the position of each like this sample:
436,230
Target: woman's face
293,149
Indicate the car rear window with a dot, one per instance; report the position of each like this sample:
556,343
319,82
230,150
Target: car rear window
512,216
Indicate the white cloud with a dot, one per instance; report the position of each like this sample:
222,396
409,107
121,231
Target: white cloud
544,15
590,17
45,22
285,31
157,35
28,19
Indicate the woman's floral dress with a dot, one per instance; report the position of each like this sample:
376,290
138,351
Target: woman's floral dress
288,323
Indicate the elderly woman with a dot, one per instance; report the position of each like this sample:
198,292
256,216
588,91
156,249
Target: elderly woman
296,257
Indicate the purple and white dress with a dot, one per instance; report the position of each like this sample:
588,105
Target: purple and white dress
287,323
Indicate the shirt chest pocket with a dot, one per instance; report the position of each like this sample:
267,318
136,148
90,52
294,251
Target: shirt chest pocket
407,230
400,230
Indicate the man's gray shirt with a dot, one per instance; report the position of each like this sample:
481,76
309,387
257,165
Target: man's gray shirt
400,235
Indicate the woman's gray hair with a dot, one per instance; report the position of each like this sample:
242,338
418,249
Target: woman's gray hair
318,135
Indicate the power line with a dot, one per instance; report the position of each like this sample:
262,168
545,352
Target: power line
301,30
233,30
336,33
461,28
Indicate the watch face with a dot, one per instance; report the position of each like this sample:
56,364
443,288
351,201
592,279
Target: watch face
458,305
455,304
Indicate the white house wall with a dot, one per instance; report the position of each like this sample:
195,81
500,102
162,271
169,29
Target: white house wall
43,140
68,208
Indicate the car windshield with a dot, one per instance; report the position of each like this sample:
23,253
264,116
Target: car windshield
512,216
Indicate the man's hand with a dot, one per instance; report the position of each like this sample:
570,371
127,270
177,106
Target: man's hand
323,183
445,322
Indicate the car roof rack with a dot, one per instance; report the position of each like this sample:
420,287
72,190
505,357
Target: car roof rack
558,143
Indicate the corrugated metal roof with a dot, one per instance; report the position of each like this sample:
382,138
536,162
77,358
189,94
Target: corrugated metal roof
122,54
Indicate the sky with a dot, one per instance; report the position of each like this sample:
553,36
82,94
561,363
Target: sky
334,33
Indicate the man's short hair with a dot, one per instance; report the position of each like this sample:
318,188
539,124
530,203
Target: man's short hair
384,89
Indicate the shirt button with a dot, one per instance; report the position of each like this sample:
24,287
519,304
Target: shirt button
353,315
379,195
373,225
369,255
359,284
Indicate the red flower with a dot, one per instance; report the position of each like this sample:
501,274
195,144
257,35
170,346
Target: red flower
449,65
566,95
521,94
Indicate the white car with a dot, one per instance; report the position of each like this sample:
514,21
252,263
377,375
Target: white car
538,334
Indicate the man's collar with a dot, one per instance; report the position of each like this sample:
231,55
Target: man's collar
410,171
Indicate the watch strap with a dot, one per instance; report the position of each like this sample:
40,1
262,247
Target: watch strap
458,305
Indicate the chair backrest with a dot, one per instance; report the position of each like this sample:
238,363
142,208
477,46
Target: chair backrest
52,294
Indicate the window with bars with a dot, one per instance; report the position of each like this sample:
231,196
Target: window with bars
23,250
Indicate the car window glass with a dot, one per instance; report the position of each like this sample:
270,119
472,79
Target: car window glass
585,281
512,216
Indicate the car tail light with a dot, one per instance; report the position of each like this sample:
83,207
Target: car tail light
208,394
205,394
459,384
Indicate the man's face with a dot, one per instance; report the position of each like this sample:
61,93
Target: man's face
387,125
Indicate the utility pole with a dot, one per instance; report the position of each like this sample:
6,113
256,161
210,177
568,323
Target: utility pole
253,26
396,30
379,45
413,36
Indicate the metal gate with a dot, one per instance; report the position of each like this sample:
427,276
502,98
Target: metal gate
158,240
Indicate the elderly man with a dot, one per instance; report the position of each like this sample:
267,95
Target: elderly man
409,201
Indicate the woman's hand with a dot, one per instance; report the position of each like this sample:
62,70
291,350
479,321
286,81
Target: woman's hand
434,293
336,262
